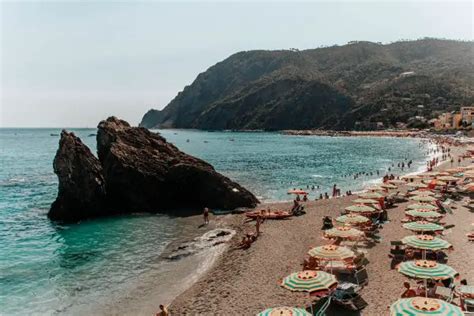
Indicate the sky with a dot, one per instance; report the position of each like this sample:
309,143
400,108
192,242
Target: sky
72,64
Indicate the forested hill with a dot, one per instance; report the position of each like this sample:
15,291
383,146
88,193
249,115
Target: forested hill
339,87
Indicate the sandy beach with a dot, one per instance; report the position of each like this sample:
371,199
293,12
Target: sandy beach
245,282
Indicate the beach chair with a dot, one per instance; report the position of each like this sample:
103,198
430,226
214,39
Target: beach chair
469,306
361,276
444,293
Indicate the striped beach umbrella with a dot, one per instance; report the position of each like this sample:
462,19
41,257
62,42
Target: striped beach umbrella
353,219
397,181
422,206
417,185
422,198
365,201
427,269
309,281
388,186
371,195
361,208
421,192
284,311
426,242
418,306
423,213
344,232
423,226
331,252
447,178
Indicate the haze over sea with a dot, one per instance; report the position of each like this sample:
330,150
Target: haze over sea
47,267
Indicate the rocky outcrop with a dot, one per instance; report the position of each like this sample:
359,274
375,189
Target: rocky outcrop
144,172
137,171
81,192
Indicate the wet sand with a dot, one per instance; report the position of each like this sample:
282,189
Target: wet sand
244,282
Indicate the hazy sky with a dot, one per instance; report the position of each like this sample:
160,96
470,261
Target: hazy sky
71,64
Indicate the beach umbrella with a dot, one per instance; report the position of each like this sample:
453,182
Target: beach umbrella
423,198
423,213
430,174
447,178
418,306
427,269
309,281
455,170
388,186
371,195
417,185
397,181
297,192
423,226
421,192
365,201
436,182
376,189
361,208
331,252
352,219
422,206
426,242
284,311
343,232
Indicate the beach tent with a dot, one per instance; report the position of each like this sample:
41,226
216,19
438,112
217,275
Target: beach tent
284,311
420,306
309,281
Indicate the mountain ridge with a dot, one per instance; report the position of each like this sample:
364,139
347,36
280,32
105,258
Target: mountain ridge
353,86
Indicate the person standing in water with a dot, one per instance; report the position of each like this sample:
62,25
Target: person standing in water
206,215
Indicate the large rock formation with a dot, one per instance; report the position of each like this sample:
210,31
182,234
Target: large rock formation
144,172
81,192
137,171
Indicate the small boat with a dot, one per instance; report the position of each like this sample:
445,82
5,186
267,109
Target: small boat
268,214
52,134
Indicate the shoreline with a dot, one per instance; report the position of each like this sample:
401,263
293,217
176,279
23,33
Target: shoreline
232,257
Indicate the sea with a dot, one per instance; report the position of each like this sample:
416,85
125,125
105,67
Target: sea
52,268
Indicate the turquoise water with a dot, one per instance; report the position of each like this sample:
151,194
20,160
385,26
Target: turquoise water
49,268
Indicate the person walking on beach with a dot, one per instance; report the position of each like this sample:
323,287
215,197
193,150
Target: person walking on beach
206,215
163,311
334,190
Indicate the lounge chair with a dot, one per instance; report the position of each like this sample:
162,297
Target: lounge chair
444,293
469,306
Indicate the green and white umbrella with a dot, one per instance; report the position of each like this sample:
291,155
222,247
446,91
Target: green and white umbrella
361,208
423,226
284,311
422,198
388,186
397,181
417,185
447,178
353,219
422,206
423,213
371,195
309,281
427,269
426,242
421,192
343,232
365,201
331,252
418,306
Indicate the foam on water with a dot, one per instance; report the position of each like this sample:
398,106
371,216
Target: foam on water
49,268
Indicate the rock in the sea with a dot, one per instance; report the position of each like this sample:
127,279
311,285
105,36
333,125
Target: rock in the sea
82,190
144,172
